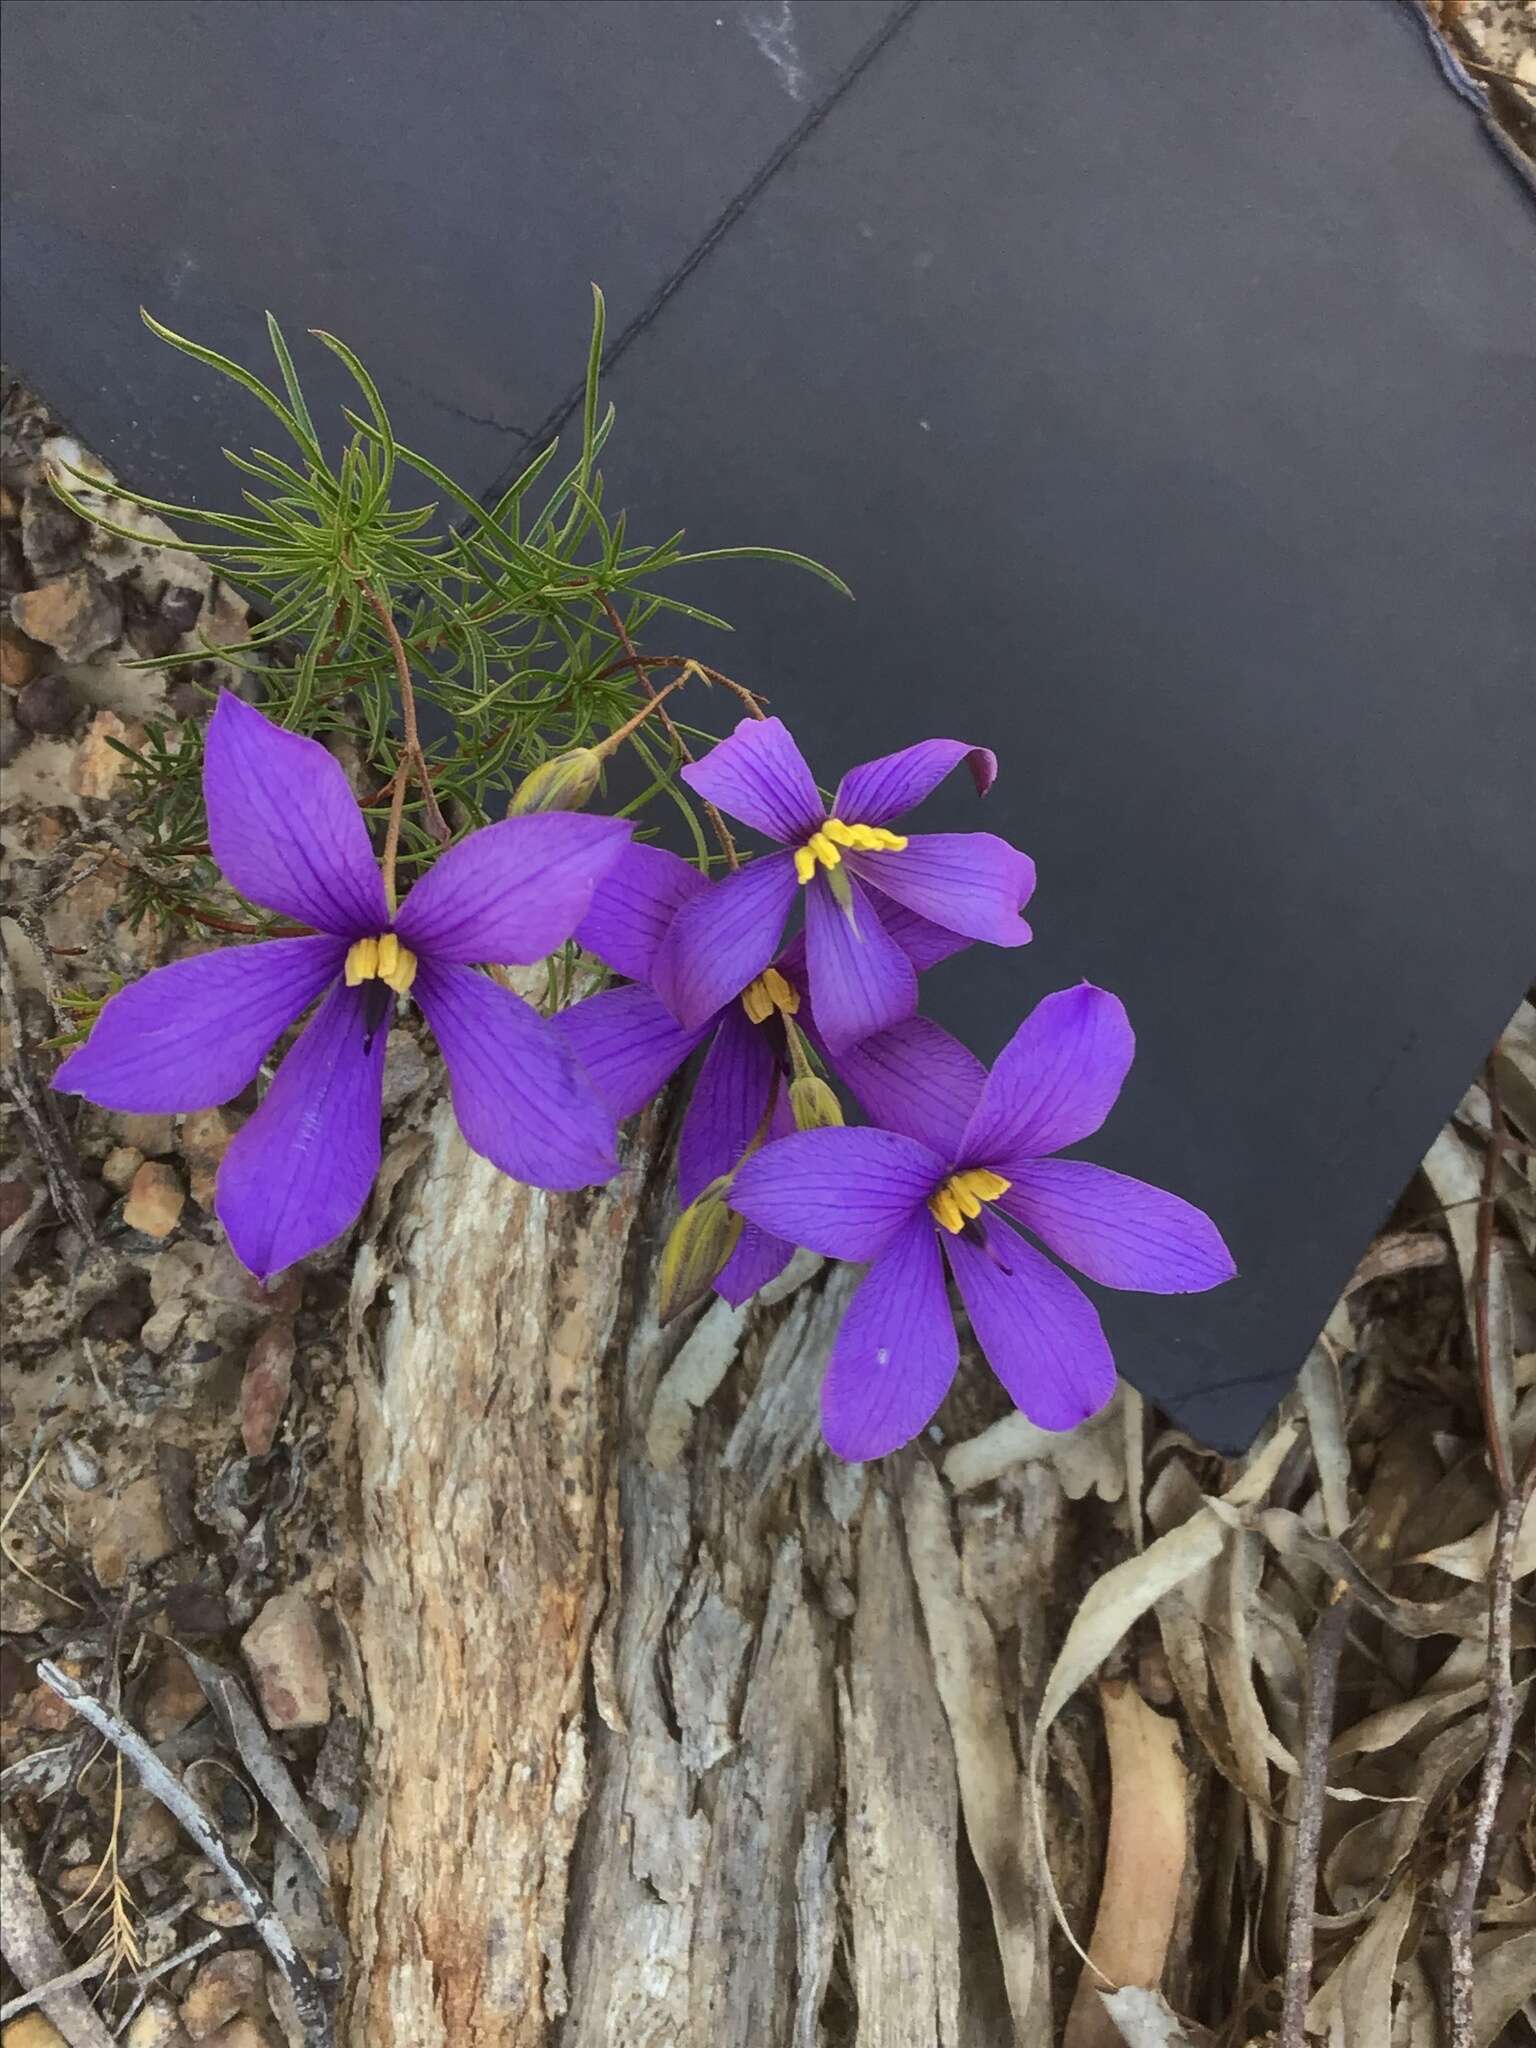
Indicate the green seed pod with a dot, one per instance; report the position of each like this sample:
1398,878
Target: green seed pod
815,1106
701,1241
567,783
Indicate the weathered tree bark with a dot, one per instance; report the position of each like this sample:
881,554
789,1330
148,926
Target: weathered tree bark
681,1732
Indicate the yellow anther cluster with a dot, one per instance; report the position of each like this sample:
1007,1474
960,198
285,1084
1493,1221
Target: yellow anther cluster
825,848
382,959
962,1195
768,993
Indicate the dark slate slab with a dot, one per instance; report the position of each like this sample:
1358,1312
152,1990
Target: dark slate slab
435,183
1161,379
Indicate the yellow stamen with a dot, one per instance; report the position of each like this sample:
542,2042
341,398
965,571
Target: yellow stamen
962,1195
382,959
768,993
362,962
824,848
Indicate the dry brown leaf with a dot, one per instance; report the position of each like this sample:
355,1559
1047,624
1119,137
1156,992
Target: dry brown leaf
1322,1401
1471,1557
1120,1598
1354,2008
1400,1251
1143,1864
1364,1861
1505,1979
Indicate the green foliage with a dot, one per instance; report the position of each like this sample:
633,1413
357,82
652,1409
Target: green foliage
513,618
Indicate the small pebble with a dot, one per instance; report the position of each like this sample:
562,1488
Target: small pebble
48,704
155,1201
120,1166
287,1658
227,1985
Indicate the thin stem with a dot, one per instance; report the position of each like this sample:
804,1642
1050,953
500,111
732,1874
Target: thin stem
412,760
727,843
1514,1499
1498,1449
621,733
1461,1913
1325,1647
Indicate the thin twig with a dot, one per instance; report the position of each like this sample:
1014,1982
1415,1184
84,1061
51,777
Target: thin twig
1514,1498
1461,1913
40,1114
718,824
164,1785
1325,1647
1493,1422
412,760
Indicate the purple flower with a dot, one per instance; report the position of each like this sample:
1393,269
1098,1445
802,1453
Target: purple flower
630,1044
944,887
287,833
895,1196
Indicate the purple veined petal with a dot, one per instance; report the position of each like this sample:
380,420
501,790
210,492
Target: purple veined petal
896,783
758,1258
924,942
1119,1231
758,774
633,905
519,1092
972,883
847,1194
917,1079
284,826
191,1035
298,1173
730,1097
629,1044
720,941
896,1353
1055,1080
511,893
1040,1332
860,979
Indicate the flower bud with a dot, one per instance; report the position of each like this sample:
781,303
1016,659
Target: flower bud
815,1106
696,1252
566,783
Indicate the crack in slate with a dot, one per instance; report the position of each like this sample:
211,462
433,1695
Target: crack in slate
760,179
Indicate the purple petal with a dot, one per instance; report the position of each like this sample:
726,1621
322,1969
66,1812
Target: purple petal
193,1034
285,828
896,1352
299,1171
513,892
1041,1334
757,1259
1120,1232
915,1078
633,905
1055,1080
924,943
860,979
629,1043
735,1085
759,775
972,883
884,789
519,1093
720,941
844,1193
